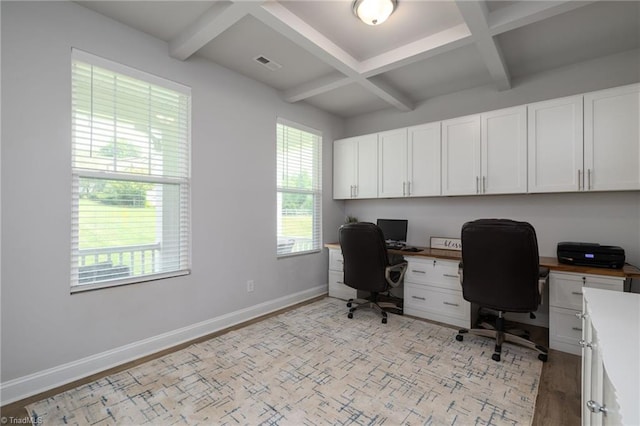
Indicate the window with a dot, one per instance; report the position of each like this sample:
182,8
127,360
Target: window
131,172
299,189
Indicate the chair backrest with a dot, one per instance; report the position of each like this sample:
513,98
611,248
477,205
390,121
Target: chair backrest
365,256
500,265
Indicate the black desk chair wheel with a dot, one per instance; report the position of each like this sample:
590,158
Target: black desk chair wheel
367,266
500,271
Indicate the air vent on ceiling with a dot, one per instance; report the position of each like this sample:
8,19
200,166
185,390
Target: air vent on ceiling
268,63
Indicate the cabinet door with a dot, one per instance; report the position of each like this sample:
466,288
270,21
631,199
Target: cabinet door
461,156
392,163
612,139
555,145
423,172
367,168
504,151
344,168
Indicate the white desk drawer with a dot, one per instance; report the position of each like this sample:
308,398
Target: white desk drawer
338,289
336,261
565,289
565,330
434,272
440,303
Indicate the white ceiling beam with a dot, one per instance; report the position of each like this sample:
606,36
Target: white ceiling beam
280,19
208,26
419,50
520,14
321,85
476,14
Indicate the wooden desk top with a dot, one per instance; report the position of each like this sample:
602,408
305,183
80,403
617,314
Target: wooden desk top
549,262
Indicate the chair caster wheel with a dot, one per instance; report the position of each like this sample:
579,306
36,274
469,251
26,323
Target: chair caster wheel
384,320
495,357
349,315
459,337
349,305
543,357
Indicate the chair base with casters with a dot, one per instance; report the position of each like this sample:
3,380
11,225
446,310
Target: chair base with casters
501,336
372,303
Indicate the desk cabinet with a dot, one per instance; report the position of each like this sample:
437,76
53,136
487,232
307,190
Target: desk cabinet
432,290
565,305
337,288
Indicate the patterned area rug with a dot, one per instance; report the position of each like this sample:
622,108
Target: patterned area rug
313,366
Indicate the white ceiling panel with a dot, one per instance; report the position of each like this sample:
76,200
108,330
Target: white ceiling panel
249,38
596,30
348,101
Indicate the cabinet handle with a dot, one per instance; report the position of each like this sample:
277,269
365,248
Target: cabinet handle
355,191
586,344
589,179
408,188
477,185
484,184
451,275
419,298
404,189
351,191
579,183
417,271
595,407
576,328
451,304
577,293
580,315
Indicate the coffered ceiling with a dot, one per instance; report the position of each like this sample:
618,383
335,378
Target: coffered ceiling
320,53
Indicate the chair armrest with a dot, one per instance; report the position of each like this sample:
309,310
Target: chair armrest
398,267
460,269
543,279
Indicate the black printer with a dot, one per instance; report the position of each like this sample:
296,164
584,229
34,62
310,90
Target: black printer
591,254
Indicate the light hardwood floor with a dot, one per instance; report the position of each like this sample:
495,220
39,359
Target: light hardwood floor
558,401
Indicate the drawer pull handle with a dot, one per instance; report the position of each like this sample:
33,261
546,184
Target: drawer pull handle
451,304
419,298
580,315
586,344
577,293
451,275
417,271
576,328
595,407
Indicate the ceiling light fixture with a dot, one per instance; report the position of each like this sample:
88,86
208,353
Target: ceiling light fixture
373,12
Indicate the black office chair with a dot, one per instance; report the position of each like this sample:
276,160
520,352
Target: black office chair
367,267
500,271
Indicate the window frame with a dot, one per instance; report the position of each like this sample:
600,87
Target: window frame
180,206
316,191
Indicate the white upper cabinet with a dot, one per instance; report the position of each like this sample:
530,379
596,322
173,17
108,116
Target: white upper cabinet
461,156
612,139
409,162
392,163
555,145
504,151
355,167
423,173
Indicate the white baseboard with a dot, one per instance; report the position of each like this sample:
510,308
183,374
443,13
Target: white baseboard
32,384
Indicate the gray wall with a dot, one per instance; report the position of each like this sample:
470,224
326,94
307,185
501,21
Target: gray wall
606,218
233,195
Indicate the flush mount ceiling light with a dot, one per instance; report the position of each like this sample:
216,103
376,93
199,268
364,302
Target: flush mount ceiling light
373,12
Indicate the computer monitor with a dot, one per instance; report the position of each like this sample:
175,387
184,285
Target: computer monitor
394,229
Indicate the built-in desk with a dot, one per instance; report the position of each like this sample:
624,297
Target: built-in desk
432,290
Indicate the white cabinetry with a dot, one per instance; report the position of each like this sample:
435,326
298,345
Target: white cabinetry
555,145
612,139
610,354
337,288
486,153
504,151
461,156
355,167
565,303
409,161
432,290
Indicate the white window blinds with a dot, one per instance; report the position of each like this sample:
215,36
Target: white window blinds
131,175
299,189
